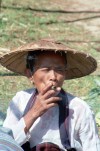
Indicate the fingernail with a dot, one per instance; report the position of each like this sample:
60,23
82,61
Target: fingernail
58,88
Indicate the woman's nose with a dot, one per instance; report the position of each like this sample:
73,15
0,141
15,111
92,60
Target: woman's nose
52,75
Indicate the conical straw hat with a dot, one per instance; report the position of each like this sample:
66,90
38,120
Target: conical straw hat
79,64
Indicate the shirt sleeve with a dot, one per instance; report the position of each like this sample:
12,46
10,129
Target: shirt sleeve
14,120
88,132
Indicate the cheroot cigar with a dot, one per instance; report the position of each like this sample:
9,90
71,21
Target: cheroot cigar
53,87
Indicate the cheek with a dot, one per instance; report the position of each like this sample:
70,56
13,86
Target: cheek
38,80
61,79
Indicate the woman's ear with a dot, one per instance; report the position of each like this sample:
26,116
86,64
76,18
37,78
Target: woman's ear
29,75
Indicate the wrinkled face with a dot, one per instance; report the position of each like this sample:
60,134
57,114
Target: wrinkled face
49,67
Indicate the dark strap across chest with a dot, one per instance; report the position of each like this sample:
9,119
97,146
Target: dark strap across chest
63,114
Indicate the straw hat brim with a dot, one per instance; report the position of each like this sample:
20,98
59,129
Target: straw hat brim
79,64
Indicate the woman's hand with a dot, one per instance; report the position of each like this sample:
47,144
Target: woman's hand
46,99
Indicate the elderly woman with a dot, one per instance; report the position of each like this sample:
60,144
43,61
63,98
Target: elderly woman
47,117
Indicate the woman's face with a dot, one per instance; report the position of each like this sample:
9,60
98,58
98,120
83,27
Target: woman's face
49,67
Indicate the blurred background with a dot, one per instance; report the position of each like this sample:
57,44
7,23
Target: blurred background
74,22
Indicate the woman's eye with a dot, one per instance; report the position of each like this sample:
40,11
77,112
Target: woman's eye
56,69
60,69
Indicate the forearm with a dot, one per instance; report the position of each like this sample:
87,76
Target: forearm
30,118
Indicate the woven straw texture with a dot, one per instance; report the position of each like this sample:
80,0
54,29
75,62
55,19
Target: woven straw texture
79,64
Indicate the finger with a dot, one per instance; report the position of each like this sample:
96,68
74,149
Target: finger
51,93
53,100
52,105
46,88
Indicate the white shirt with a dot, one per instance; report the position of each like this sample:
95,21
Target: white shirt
81,125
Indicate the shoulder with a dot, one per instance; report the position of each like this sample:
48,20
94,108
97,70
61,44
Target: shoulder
78,105
22,97
24,93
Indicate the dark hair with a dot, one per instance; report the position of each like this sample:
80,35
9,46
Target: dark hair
32,56
30,61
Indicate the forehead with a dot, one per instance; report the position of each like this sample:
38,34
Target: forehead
50,58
